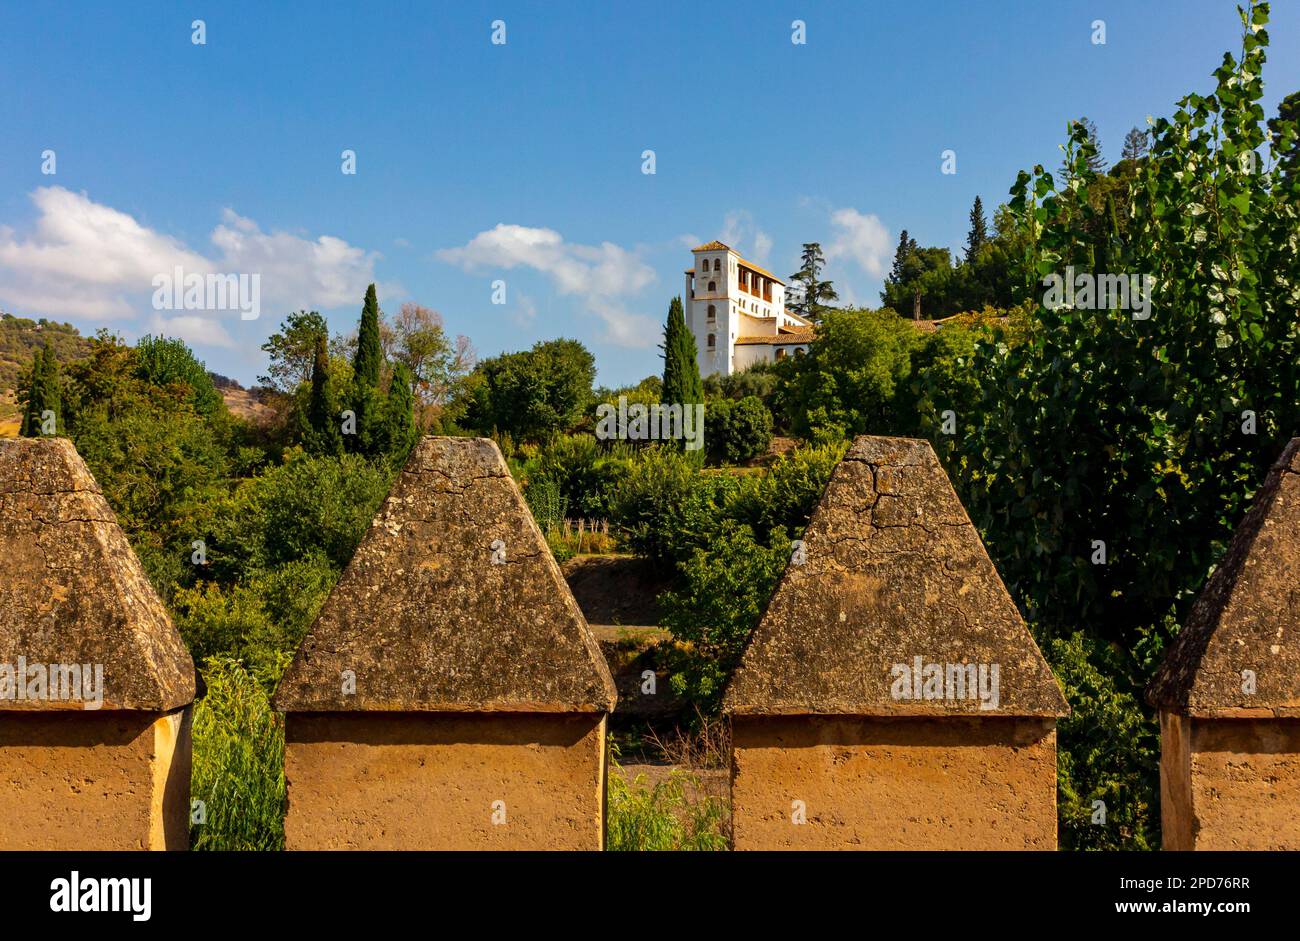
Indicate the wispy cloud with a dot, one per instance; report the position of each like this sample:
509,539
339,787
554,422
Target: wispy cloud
603,275
861,238
741,232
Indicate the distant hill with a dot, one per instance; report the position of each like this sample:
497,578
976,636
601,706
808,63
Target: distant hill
20,338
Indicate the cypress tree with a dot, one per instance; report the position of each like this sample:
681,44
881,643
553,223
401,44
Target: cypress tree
979,231
42,394
322,435
682,383
399,424
365,365
366,399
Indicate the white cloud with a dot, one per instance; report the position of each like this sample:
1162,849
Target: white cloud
862,239
741,232
602,275
85,259
193,329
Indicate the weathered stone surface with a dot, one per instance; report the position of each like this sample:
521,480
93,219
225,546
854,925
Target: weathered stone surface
1246,618
95,780
427,621
422,781
894,570
871,783
71,589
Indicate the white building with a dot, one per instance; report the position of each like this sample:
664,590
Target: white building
736,310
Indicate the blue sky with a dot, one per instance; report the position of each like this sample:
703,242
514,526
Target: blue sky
522,162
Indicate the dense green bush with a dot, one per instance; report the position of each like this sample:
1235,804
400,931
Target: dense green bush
846,384
726,587
736,431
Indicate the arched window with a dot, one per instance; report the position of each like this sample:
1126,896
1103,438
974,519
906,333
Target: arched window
713,286
713,312
780,354
717,265
713,341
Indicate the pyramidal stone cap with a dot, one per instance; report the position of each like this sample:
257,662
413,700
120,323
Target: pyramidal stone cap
1247,618
452,603
894,589
73,592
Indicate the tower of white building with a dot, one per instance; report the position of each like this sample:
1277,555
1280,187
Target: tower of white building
736,310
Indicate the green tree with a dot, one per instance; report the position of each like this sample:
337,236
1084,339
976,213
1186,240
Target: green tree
811,295
737,431
292,350
978,234
534,394
320,430
846,383
369,357
40,394
1286,144
681,370
922,281
163,361
1135,145
400,432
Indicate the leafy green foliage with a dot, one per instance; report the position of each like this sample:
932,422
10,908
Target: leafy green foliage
846,383
168,362
726,587
291,350
737,431
1105,427
535,394
369,356
662,816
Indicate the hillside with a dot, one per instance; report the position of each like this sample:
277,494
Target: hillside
20,338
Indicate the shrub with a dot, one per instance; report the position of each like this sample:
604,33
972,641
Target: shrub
737,431
727,586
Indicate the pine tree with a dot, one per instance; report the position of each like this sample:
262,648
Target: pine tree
41,394
321,434
1136,145
369,356
979,232
906,246
813,293
399,416
682,384
1096,162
